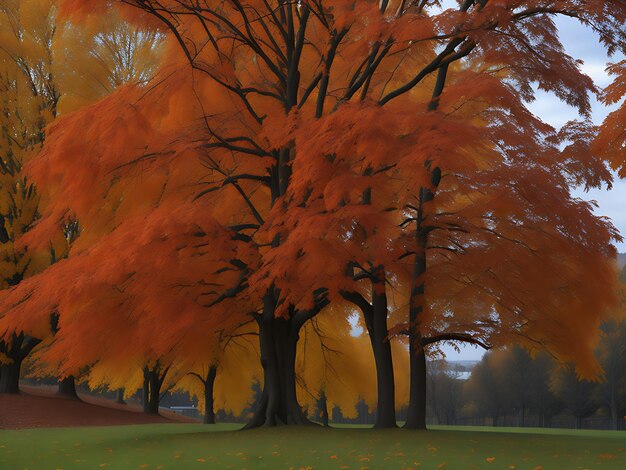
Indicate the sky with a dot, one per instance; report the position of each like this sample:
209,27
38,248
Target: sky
581,43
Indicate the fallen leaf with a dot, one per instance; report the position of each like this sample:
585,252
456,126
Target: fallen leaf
200,460
442,465
490,459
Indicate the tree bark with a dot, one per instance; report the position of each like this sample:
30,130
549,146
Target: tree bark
16,350
67,388
10,377
209,411
416,413
322,406
386,406
375,316
278,339
151,392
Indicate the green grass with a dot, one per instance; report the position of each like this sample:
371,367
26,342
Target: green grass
194,446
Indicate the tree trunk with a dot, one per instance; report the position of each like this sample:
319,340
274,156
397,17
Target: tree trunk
16,350
151,391
322,405
10,377
295,413
145,397
278,339
209,411
386,407
375,317
119,399
67,388
416,414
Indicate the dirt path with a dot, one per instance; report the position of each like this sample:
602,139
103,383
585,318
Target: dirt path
37,408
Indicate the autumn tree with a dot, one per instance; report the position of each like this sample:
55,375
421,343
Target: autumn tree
219,373
38,82
351,145
29,100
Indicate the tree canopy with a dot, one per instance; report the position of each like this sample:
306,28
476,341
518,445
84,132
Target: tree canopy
290,161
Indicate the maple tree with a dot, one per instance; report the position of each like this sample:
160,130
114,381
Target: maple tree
348,148
45,72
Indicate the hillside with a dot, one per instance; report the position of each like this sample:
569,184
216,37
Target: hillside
39,407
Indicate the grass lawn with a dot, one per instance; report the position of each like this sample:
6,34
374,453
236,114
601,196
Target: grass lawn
191,446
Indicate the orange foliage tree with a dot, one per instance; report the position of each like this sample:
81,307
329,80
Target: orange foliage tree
321,151
45,71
